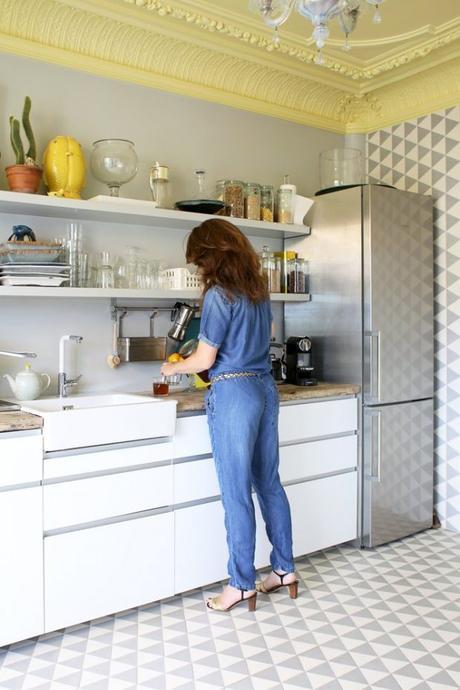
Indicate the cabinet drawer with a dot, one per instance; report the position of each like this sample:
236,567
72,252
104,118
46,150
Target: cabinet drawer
200,546
194,480
323,513
21,460
192,437
96,498
312,420
313,458
21,564
70,463
97,571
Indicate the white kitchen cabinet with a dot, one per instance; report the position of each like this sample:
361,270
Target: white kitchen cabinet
200,546
314,458
93,572
97,498
105,458
194,480
21,458
21,536
191,437
301,422
324,512
21,563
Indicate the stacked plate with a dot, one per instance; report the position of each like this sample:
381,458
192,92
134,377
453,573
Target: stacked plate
34,273
33,263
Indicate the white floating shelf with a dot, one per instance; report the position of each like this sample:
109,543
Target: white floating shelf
130,212
119,293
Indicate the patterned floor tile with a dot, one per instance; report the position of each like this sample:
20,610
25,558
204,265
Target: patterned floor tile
386,619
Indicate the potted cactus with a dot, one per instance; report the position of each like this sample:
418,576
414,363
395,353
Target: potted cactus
25,175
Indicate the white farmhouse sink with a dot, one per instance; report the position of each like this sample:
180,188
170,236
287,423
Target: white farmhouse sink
92,420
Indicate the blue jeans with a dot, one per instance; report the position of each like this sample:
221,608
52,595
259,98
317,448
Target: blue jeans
243,425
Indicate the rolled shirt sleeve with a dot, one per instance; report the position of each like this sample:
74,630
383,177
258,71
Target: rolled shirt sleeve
215,318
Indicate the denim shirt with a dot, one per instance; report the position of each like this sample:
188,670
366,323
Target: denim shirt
240,330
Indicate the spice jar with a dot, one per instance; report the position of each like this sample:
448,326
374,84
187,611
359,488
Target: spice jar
252,201
266,203
231,192
285,201
287,263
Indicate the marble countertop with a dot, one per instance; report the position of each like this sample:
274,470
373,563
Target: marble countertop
193,400
19,421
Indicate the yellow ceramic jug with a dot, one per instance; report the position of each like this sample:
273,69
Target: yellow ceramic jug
64,167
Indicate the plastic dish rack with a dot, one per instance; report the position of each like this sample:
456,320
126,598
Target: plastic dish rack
179,279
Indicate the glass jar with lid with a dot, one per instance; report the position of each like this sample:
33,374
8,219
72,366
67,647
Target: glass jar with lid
231,192
286,201
160,185
252,201
267,203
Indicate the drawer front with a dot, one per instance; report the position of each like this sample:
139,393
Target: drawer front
194,480
70,464
200,546
192,437
21,565
313,420
324,512
97,571
96,498
304,460
21,460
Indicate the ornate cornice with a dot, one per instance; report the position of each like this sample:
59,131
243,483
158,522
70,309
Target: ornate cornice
176,47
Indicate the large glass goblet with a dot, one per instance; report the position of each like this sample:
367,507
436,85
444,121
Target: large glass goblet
114,161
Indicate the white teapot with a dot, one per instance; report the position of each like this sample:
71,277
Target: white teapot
28,385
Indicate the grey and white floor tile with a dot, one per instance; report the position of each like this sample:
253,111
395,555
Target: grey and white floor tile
386,619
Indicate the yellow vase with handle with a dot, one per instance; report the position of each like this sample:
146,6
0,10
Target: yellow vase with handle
64,167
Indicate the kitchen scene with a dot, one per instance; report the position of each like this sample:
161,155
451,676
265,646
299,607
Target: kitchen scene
328,133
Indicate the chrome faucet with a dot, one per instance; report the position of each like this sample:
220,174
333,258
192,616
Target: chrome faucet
64,383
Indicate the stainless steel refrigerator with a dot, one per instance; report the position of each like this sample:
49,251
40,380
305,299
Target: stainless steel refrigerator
371,322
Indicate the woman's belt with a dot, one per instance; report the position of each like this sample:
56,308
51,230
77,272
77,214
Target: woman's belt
232,375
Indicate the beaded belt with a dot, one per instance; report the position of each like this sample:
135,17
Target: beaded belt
233,375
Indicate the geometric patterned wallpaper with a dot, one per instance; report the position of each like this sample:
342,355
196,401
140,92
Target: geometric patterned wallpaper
423,155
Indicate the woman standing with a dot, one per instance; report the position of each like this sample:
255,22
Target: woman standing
242,406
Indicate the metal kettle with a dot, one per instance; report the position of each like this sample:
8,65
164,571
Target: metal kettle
181,315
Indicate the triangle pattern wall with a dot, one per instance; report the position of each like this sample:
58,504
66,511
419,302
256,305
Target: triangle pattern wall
423,156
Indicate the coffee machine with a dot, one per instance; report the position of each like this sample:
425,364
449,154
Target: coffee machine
299,369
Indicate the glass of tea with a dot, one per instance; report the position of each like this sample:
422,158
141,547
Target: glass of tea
160,386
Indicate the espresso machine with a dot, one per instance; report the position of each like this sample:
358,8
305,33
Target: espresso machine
299,369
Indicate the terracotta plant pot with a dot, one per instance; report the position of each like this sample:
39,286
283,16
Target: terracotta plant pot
23,178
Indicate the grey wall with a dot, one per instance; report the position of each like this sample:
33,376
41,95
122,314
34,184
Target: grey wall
182,132
423,156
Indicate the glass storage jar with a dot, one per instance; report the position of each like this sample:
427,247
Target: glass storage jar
267,203
231,192
341,167
285,201
286,259
252,201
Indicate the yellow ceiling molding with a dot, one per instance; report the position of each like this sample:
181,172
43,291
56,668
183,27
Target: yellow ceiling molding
176,48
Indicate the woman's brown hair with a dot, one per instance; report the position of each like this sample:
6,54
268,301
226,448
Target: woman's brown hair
225,257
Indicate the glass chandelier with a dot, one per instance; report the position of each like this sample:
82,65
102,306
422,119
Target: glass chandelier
275,12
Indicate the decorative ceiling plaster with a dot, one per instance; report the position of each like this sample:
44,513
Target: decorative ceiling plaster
206,50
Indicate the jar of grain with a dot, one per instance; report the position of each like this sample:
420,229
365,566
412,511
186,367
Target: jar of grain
266,203
231,192
252,201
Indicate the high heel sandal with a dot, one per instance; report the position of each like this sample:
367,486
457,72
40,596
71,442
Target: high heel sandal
292,586
216,606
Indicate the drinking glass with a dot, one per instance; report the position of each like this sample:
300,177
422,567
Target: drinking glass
105,277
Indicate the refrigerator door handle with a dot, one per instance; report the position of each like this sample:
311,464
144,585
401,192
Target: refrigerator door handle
376,415
375,337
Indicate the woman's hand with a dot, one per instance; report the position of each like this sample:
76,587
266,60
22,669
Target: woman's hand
168,369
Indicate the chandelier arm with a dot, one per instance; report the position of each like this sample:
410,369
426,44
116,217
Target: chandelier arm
284,16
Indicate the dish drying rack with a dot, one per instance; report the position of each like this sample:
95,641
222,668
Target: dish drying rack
179,279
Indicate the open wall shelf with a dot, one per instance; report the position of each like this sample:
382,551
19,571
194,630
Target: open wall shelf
132,212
